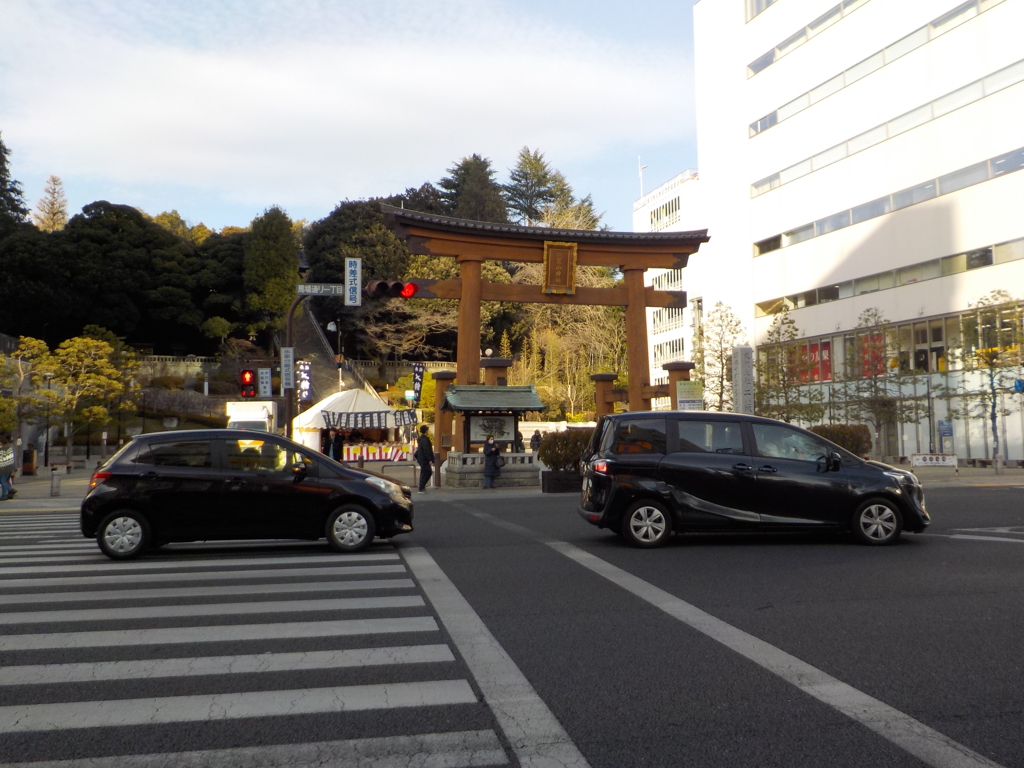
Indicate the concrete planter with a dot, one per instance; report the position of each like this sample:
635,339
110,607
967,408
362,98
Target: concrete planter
560,482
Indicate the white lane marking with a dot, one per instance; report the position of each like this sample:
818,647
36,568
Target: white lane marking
286,630
44,546
1008,529
340,571
968,537
60,674
460,749
533,730
150,593
924,743
203,562
121,611
26,718
52,556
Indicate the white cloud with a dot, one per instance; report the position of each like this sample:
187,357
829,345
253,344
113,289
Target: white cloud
309,102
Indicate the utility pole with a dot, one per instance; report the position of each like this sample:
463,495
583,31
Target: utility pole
641,175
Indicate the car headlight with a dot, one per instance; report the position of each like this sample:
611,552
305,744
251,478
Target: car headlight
902,478
390,488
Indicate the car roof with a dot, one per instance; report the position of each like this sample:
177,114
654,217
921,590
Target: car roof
251,434
694,415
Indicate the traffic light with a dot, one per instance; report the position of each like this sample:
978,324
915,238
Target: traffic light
248,381
383,289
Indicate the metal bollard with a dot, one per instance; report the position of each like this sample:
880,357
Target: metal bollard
54,482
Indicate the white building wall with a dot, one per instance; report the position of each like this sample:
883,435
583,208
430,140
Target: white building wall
985,40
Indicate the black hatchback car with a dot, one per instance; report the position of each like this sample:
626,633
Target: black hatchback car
650,474
205,485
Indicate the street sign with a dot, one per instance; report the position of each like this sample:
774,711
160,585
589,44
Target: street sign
945,428
353,282
1018,386
287,368
266,387
689,396
933,460
743,379
320,289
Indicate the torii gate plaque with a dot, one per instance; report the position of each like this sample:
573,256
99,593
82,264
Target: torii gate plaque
560,250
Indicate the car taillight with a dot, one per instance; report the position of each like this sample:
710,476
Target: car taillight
98,478
600,467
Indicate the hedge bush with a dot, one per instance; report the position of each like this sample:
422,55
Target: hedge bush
856,438
560,451
167,382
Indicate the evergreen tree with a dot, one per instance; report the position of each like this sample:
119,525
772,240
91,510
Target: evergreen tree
565,211
531,186
51,212
470,191
270,269
12,202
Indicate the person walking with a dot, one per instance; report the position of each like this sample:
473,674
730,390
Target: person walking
491,469
6,467
535,441
424,457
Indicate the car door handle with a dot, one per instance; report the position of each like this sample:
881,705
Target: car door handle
742,467
768,469
150,476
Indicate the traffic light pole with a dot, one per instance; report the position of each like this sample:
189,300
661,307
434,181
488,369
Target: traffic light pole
289,397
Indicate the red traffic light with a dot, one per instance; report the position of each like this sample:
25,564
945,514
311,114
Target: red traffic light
383,289
247,378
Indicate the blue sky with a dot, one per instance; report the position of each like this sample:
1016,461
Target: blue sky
221,109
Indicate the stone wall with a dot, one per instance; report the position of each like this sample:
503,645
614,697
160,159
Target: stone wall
466,470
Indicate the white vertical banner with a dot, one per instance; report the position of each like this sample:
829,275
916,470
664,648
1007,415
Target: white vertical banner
742,379
263,379
287,368
353,282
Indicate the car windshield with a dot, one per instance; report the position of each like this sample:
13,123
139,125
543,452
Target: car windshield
259,426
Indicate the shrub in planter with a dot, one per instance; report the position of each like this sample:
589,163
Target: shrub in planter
856,438
560,452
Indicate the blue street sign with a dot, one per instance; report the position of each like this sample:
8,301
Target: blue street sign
1018,386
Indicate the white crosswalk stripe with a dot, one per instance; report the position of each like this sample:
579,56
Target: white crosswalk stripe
222,634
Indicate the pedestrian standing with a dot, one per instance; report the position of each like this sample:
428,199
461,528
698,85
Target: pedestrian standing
6,467
424,457
517,446
491,469
338,447
535,441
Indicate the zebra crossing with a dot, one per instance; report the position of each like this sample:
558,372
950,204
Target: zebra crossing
227,654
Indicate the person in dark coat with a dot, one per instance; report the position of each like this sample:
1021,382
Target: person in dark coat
6,468
517,446
491,470
535,441
424,457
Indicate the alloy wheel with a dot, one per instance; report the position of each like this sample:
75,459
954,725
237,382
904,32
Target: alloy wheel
647,524
878,522
123,535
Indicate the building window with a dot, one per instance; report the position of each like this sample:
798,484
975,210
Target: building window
876,61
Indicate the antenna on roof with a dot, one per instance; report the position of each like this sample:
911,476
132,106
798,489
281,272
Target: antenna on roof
641,175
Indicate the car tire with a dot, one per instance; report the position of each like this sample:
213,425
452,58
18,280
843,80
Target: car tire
350,528
877,522
646,524
123,535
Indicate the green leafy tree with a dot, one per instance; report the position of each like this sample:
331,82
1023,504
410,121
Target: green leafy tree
566,211
531,186
270,269
12,200
173,223
783,372
722,330
471,192
51,212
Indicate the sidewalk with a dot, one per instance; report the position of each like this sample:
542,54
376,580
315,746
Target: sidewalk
968,477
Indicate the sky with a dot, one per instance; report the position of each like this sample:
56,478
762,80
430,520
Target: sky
220,109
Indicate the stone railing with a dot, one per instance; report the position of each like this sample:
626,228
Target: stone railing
466,470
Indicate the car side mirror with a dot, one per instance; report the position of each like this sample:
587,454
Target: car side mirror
299,469
835,462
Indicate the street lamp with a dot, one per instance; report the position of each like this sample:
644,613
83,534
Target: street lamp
289,399
335,325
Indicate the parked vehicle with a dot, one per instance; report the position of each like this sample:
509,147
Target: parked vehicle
648,475
258,415
205,485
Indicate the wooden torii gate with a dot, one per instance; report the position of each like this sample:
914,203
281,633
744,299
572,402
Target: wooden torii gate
560,251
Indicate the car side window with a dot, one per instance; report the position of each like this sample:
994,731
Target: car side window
249,455
192,453
777,442
640,436
710,437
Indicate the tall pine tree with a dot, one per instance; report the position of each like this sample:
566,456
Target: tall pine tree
531,186
12,201
470,191
51,213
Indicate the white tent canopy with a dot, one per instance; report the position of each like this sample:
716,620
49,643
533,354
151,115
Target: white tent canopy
351,401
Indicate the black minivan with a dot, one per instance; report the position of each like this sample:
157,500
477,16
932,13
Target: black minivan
647,475
216,484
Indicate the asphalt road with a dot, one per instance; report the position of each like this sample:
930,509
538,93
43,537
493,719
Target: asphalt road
516,634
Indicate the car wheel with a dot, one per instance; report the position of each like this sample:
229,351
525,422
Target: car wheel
350,528
877,522
646,524
123,535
